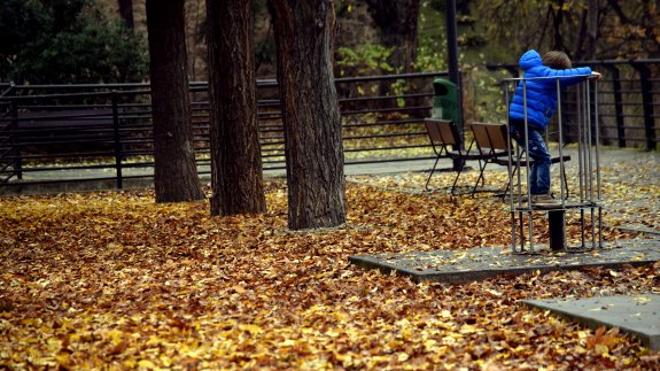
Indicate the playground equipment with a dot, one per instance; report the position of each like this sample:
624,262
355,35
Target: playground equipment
586,200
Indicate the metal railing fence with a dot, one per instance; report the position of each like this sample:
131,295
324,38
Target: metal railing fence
90,132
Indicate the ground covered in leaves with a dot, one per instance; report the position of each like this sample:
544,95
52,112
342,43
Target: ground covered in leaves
113,279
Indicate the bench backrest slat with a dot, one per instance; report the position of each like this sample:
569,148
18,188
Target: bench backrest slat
490,136
441,132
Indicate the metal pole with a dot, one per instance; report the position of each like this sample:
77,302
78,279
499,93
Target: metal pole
598,186
454,73
598,189
117,141
583,160
510,164
519,193
590,164
580,111
528,159
562,177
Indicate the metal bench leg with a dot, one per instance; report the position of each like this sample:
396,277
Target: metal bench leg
458,174
426,186
480,178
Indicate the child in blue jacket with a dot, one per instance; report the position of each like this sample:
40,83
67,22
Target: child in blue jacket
541,89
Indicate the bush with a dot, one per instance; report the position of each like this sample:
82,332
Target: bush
68,41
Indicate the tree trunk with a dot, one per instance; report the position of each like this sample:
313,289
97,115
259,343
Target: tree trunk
592,28
397,21
175,173
235,153
126,13
314,152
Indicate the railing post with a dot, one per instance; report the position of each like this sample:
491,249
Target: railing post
15,141
647,103
618,107
117,140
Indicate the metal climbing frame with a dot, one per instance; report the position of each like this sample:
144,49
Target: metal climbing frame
586,202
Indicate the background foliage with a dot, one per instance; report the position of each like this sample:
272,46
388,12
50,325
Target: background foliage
66,41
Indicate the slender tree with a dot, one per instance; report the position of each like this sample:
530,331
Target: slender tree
126,12
235,153
313,147
175,173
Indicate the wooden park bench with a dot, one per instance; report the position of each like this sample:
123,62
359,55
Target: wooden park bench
443,133
491,147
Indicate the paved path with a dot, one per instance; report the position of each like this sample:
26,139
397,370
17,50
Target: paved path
625,161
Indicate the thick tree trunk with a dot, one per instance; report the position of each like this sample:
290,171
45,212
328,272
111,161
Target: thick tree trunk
126,13
314,152
397,21
175,173
235,153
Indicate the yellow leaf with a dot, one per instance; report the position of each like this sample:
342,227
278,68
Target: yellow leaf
469,329
642,299
167,361
288,343
601,349
252,329
145,363
115,336
445,313
429,344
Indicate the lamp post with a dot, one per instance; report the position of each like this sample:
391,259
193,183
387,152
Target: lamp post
454,74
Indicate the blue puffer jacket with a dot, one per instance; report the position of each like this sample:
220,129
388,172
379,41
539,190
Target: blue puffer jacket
541,93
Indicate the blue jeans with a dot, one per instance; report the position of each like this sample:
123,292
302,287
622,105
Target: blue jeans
539,177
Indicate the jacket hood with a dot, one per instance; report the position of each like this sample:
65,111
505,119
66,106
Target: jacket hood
530,59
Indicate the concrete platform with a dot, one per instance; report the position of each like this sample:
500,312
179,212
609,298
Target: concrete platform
480,263
638,315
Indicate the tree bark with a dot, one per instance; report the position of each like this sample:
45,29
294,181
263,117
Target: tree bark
592,28
397,21
313,147
126,13
235,152
175,172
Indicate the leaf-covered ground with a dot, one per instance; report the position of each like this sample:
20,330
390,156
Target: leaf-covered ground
114,280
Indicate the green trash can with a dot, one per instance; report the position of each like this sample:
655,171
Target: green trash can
445,101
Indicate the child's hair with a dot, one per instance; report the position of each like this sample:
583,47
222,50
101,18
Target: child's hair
557,59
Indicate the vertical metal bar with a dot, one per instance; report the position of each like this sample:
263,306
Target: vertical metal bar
580,111
519,197
647,104
589,146
16,141
520,213
578,98
583,161
510,164
117,141
528,158
562,171
454,72
598,189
